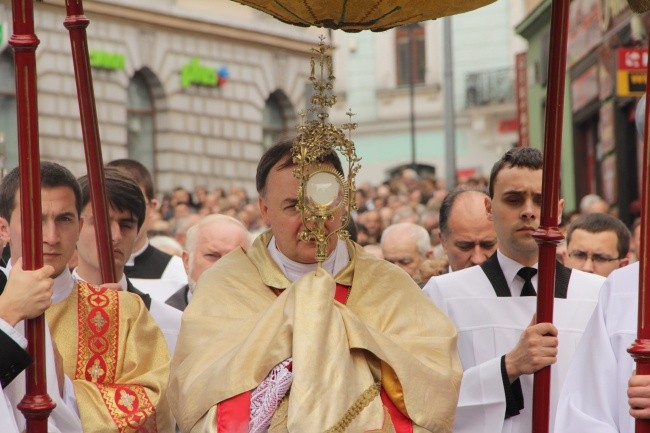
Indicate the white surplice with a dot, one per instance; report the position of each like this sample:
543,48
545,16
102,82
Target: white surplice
489,327
594,397
65,417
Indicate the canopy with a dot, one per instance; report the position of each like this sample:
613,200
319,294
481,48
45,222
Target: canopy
357,15
639,6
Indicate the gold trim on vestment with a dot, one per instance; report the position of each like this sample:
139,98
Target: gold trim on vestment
98,320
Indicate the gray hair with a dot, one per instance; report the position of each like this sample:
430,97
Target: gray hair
191,236
588,200
416,232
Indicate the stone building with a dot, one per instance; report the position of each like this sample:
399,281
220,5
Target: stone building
195,90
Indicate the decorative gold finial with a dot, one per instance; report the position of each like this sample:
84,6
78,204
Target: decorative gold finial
323,192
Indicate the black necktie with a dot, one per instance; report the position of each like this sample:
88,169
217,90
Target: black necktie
527,274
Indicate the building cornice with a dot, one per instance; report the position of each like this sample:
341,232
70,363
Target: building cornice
538,18
185,21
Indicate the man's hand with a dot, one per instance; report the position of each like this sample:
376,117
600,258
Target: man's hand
536,349
638,394
27,293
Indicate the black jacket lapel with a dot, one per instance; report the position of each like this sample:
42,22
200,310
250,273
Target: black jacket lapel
494,273
144,296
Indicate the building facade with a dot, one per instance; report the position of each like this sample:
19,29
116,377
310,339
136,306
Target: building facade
396,127
606,61
195,90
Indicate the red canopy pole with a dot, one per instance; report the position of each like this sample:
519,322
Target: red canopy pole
76,23
548,235
36,405
640,349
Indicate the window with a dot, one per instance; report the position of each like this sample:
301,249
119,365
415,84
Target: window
8,119
409,42
274,122
140,120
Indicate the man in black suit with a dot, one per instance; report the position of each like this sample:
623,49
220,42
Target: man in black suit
146,261
207,241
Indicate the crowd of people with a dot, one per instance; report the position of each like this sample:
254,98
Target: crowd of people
220,316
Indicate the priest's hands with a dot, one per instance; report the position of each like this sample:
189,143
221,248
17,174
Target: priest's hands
638,394
536,349
27,293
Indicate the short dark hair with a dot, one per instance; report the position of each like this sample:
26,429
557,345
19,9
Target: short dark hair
138,172
601,222
122,193
448,203
282,152
520,157
53,175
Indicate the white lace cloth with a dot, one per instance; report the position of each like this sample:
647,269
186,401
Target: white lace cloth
266,397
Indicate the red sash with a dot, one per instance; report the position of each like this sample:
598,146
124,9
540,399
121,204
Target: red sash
233,415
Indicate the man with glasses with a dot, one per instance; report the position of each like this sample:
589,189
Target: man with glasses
597,243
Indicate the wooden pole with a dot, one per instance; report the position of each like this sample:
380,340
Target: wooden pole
640,349
76,23
548,234
36,405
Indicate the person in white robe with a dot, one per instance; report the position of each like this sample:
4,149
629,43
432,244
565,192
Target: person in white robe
594,398
28,294
493,305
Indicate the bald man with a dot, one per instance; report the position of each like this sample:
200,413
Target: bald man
466,234
407,245
207,241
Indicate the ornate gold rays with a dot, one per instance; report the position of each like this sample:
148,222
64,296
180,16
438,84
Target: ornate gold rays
323,193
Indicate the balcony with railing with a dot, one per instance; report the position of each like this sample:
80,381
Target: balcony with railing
491,87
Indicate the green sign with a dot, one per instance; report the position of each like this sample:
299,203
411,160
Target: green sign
2,34
195,73
106,60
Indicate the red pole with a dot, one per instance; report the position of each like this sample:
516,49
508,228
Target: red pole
76,23
548,235
640,349
36,405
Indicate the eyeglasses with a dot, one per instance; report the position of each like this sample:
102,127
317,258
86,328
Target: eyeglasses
600,259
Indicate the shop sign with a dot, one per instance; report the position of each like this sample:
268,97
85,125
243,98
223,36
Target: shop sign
631,69
507,125
194,73
105,60
521,98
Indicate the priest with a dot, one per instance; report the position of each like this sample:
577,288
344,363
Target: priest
273,341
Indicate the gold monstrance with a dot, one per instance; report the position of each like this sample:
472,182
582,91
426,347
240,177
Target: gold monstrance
322,191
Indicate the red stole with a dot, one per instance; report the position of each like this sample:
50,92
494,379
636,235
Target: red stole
233,414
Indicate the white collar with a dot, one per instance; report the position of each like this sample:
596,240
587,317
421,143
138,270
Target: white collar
122,282
62,287
510,268
131,261
293,270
